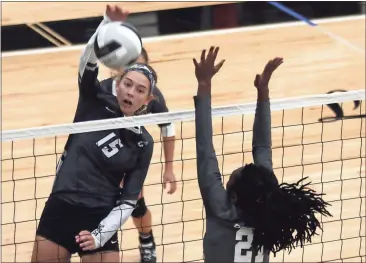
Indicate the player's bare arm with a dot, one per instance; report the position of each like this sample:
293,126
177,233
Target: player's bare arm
168,174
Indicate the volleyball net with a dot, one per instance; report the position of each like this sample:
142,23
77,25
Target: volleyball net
321,137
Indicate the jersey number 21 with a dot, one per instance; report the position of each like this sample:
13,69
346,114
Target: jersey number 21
243,252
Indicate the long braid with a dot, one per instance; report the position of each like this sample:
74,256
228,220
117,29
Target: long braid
291,219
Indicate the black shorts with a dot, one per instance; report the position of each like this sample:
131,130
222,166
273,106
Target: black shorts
61,222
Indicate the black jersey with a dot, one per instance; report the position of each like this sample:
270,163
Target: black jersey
227,239
94,163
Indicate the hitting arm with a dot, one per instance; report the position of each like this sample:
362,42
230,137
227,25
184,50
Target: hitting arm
88,66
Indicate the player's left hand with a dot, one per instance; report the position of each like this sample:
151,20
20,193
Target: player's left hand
85,240
169,177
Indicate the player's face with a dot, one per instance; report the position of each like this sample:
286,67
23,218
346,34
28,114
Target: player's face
133,91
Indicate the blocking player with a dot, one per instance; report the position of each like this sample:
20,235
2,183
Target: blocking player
86,208
142,215
254,215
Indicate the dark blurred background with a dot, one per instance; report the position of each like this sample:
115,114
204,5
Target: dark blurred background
185,20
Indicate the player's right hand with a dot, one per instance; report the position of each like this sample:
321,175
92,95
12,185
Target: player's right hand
115,13
261,81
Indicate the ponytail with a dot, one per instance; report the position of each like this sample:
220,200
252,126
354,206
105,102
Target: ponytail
289,217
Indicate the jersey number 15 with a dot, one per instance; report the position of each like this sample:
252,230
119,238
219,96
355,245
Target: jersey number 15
111,148
243,252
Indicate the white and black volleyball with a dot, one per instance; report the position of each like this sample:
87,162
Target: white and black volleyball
117,45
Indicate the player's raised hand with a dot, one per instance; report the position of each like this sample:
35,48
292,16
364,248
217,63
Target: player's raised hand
261,81
115,13
206,68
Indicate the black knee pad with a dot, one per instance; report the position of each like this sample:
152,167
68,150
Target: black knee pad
140,209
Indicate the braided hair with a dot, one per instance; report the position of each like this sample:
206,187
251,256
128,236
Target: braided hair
282,215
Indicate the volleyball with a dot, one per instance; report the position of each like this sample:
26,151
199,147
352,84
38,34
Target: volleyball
117,45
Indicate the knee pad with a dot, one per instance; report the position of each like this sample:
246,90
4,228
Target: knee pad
140,209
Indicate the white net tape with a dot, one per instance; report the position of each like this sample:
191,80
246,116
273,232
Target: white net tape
187,115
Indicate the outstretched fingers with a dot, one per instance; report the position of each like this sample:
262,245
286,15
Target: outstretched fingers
218,66
210,52
276,62
206,67
210,56
195,62
203,56
272,65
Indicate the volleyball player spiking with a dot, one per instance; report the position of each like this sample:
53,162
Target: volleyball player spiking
141,215
254,215
86,207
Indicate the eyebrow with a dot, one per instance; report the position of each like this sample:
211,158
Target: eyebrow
139,85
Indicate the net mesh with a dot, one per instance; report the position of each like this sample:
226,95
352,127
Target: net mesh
307,140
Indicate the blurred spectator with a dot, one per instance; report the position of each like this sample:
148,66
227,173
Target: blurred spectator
225,16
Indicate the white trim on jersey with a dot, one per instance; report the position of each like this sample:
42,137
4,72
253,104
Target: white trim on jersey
136,129
168,130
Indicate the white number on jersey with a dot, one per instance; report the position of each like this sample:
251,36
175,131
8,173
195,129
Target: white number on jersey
243,252
111,148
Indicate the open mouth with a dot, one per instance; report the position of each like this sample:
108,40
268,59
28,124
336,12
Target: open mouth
127,102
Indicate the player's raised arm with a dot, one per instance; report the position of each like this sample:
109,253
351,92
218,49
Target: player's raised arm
88,66
262,140
209,177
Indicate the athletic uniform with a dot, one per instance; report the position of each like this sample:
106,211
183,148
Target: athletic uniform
86,193
227,239
157,105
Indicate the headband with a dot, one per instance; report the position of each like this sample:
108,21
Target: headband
142,68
